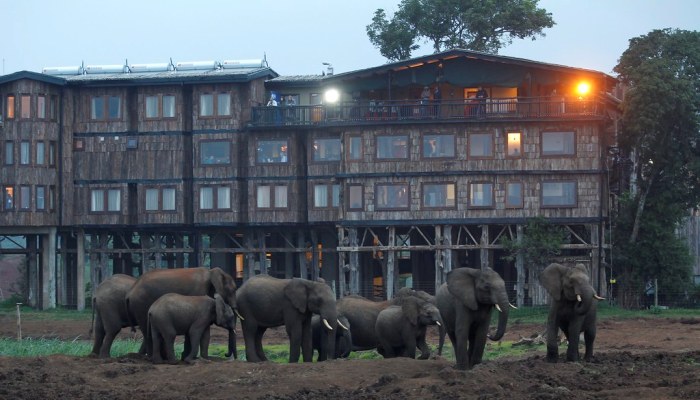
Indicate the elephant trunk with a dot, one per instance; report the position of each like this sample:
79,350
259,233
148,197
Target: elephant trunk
584,298
504,306
232,344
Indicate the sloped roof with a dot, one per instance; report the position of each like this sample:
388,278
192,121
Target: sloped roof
172,77
15,76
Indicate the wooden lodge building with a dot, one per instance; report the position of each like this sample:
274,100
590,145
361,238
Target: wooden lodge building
352,177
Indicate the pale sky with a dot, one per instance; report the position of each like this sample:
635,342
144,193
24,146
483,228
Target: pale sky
296,36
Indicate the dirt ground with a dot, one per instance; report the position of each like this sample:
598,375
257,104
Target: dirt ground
635,359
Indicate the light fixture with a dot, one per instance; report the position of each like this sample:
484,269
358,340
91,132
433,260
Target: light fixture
331,96
583,88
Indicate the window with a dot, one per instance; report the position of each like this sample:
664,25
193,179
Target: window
78,144
438,146
168,199
558,144
391,196
168,106
53,108
105,200
514,148
355,197
481,194
439,195
269,196
9,153
25,153
514,195
158,106
106,108
52,153
354,148
326,150
52,198
8,194
132,143
480,145
10,107
152,107
40,153
25,197
160,199
152,195
392,147
41,107
272,151
214,105
40,198
214,197
559,194
325,194
25,108
215,152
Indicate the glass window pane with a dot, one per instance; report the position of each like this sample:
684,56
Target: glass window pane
25,197
24,153
326,150
25,106
97,110
392,147
40,197
355,148
514,144
392,196
558,143
559,193
439,195
52,197
355,197
223,197
272,151
97,200
223,105
206,198
481,195
10,107
206,105
280,196
336,196
9,153
480,145
169,199
215,152
151,106
113,200
53,110
40,153
514,194
115,107
320,196
263,197
168,106
441,146
151,199
9,199
41,107
52,153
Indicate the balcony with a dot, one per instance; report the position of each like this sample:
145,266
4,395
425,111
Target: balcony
382,112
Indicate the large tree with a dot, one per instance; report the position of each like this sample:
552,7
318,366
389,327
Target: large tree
479,25
660,131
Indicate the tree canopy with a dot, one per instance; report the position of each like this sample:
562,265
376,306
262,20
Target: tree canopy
479,25
660,131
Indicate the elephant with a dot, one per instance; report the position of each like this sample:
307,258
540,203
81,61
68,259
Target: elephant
186,281
441,328
572,309
267,302
109,308
465,302
401,327
343,338
174,314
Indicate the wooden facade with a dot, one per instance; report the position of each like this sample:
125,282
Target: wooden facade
372,192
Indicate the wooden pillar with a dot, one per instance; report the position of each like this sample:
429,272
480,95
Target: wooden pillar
48,270
595,258
485,262
447,252
391,278
520,269
315,270
249,268
262,255
439,262
157,247
80,270
61,294
301,244
342,257
354,262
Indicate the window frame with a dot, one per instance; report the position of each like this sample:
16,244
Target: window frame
330,196
25,107
8,194
519,152
349,189
39,153
216,203
471,195
160,193
41,108
349,149
470,145
25,148
284,145
215,95
10,107
425,141
160,106
37,188
521,203
574,204
272,197
440,207
392,196
9,153
106,203
316,147
392,137
227,146
562,153
106,108
25,198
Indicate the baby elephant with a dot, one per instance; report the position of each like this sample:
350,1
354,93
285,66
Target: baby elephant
174,314
401,327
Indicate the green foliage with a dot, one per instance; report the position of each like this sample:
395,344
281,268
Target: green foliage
541,241
470,24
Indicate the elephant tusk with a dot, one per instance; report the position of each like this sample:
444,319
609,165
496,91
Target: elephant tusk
438,323
598,297
512,306
239,315
342,326
578,298
325,322
498,308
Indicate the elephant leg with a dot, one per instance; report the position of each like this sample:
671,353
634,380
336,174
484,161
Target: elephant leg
258,343
410,347
99,338
195,337
478,343
460,342
294,334
589,337
156,344
307,349
187,348
574,331
107,342
169,342
204,343
552,345
250,332
441,343
424,348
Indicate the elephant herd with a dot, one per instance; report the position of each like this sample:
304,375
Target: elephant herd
165,303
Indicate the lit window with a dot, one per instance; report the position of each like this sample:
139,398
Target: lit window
439,195
215,152
481,194
392,196
514,148
326,150
8,193
558,194
392,147
481,145
355,197
25,106
10,107
272,151
514,194
558,143
438,146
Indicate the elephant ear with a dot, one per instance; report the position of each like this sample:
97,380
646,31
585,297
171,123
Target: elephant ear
461,283
216,277
551,279
411,310
297,294
220,310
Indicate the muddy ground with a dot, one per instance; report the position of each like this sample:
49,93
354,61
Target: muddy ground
635,359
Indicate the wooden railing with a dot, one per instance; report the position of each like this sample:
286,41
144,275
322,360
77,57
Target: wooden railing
471,109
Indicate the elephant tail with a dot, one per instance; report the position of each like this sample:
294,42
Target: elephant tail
129,316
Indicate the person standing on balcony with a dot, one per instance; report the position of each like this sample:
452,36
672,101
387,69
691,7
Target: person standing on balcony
481,96
290,111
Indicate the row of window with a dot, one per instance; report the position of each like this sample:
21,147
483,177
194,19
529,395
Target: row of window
393,147
28,198
390,196
41,153
29,106
161,106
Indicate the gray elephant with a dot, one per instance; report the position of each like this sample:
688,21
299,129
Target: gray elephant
185,281
109,312
174,314
441,328
401,327
267,302
343,338
465,302
572,309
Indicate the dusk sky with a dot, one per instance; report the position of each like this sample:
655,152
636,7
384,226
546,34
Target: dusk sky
295,36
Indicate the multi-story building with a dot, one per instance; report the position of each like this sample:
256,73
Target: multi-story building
357,177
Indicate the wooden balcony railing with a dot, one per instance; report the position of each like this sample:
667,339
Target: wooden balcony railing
373,111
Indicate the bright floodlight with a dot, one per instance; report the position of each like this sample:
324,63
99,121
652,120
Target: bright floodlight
331,96
583,88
